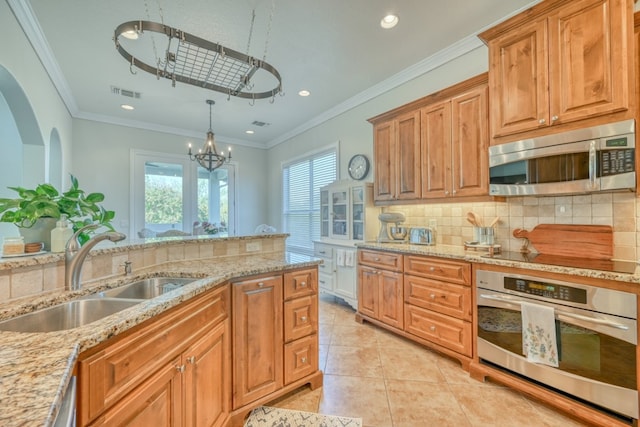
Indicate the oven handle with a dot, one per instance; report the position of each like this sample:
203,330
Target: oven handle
592,164
562,313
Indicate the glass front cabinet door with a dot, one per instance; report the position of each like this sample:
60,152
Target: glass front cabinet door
339,214
324,213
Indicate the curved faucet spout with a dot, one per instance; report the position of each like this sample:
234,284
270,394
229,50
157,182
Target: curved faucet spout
75,254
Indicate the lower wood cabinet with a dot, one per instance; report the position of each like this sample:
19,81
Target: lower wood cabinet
208,361
257,339
171,370
427,299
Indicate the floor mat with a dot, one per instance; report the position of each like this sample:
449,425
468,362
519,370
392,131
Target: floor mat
266,416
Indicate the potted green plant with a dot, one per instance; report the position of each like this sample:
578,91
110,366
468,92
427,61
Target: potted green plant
46,204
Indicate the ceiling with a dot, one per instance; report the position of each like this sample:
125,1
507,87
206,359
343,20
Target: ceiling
335,49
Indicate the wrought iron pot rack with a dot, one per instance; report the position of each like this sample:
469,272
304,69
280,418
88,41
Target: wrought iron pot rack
199,62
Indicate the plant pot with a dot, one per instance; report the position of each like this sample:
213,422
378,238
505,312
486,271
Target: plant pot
39,232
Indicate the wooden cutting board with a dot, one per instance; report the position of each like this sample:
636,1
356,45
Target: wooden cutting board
578,241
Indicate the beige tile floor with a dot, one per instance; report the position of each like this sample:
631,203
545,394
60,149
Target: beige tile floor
391,382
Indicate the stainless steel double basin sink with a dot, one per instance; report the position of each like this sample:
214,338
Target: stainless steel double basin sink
93,307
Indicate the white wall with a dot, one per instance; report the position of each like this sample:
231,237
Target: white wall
101,154
355,133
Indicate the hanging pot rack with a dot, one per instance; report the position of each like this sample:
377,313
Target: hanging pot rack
199,62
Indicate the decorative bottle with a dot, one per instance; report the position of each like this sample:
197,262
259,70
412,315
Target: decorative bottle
60,235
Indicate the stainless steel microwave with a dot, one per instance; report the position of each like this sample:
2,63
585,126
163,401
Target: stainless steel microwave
599,158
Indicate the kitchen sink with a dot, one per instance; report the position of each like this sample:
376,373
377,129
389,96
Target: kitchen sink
68,315
145,289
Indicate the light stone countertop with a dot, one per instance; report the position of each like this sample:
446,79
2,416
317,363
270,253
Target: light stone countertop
36,367
459,253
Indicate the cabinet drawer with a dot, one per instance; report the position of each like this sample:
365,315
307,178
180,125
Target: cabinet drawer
437,268
326,267
114,371
300,358
300,283
300,317
385,260
322,251
325,281
446,298
454,334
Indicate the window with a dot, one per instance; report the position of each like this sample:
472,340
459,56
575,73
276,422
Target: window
301,182
170,193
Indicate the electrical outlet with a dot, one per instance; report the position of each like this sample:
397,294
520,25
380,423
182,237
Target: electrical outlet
254,246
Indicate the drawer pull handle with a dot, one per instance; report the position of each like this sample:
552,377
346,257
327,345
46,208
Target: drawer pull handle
322,281
303,360
323,252
303,284
260,284
432,296
191,359
180,368
432,328
432,269
377,259
303,318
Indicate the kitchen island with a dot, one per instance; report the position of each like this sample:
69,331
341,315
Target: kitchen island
38,366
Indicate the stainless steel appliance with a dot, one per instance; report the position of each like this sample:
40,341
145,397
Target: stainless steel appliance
422,236
398,233
600,158
596,332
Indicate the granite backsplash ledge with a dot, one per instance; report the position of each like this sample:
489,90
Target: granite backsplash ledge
28,277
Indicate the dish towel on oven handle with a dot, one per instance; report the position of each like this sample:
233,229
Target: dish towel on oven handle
340,257
539,340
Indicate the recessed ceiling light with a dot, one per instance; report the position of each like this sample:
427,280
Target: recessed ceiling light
389,21
131,35
127,107
250,132
304,93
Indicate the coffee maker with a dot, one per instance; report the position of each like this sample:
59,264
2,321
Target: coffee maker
391,233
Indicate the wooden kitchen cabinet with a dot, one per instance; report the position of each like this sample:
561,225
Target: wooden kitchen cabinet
152,374
425,299
257,339
397,158
275,337
454,143
434,147
560,62
380,289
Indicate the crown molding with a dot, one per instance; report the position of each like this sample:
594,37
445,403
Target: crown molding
31,27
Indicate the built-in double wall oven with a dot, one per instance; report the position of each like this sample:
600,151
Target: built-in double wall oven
596,334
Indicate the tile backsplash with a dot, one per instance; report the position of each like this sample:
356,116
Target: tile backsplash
619,210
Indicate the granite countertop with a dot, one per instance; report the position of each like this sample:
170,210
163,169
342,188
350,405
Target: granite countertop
36,367
459,253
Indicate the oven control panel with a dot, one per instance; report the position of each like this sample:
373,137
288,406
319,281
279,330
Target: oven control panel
545,289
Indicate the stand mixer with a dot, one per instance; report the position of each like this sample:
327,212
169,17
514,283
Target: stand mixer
398,233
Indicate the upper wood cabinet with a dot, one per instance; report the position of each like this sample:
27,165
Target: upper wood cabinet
454,143
397,158
435,147
560,62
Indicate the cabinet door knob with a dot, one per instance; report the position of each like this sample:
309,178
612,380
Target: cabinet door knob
377,259
542,121
446,192
432,296
180,368
432,328
303,284
191,359
379,272
554,118
260,284
303,360
303,319
432,269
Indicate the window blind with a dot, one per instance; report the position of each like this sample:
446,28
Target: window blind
301,181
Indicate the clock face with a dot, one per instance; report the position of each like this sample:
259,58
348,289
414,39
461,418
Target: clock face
358,166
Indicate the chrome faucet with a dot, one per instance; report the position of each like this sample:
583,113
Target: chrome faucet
75,254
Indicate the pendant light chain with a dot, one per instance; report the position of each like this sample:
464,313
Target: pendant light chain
253,19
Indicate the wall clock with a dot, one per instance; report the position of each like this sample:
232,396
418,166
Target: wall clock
358,166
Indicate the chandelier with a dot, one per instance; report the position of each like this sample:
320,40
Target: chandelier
208,157
192,60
